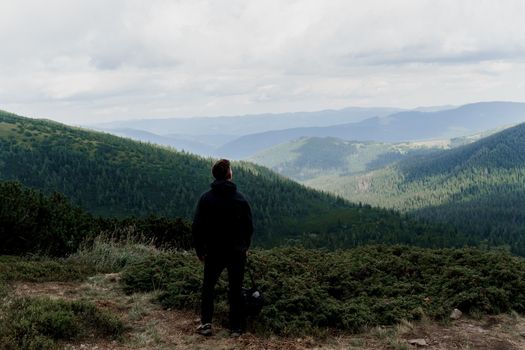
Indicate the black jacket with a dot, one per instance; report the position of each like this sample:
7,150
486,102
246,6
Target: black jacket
223,221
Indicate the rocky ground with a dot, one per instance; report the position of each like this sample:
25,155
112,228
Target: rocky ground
151,327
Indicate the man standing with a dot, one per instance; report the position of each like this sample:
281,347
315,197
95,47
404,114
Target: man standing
222,231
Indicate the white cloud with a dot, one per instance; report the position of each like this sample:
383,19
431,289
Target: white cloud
80,61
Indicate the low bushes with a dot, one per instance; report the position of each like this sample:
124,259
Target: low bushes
38,323
13,268
309,291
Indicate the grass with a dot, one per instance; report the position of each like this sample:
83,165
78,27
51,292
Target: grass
107,254
41,269
39,323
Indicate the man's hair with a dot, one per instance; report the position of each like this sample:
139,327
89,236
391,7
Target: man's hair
220,169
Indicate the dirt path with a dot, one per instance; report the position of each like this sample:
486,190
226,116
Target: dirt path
151,327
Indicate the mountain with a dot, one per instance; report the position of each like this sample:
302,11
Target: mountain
307,158
247,124
397,127
113,176
310,157
479,187
179,142
204,136
434,108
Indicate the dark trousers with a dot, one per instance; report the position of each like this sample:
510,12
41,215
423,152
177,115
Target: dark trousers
213,266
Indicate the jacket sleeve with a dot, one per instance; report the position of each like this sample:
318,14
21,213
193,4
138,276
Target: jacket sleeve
198,229
248,225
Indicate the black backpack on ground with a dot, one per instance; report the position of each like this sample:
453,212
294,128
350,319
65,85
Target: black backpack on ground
253,299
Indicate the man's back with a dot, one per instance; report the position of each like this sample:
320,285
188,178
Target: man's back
223,220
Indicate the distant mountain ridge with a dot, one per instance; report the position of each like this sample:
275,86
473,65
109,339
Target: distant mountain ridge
248,124
244,136
397,127
205,135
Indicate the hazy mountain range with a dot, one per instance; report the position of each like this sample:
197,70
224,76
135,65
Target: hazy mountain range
397,127
205,135
244,136
249,124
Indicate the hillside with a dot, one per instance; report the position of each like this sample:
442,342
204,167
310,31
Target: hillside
307,158
111,176
397,127
479,187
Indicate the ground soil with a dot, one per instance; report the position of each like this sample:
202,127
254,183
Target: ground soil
148,326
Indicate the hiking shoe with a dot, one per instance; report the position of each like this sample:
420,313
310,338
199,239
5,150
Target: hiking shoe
204,329
236,333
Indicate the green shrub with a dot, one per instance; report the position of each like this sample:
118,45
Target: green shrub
14,268
155,272
309,291
37,323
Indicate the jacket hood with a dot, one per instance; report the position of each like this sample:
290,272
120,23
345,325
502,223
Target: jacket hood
224,187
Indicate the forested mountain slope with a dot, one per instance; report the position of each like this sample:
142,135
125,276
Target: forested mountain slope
112,176
307,158
480,187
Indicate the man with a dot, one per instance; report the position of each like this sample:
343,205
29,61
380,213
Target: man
222,231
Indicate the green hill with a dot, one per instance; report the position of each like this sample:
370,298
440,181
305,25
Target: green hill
479,188
308,158
112,176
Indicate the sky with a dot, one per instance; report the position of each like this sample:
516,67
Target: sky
91,61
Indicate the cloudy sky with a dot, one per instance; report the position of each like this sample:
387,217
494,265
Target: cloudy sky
100,60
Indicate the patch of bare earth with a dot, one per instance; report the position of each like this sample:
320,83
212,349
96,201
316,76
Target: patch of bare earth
148,326
503,332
